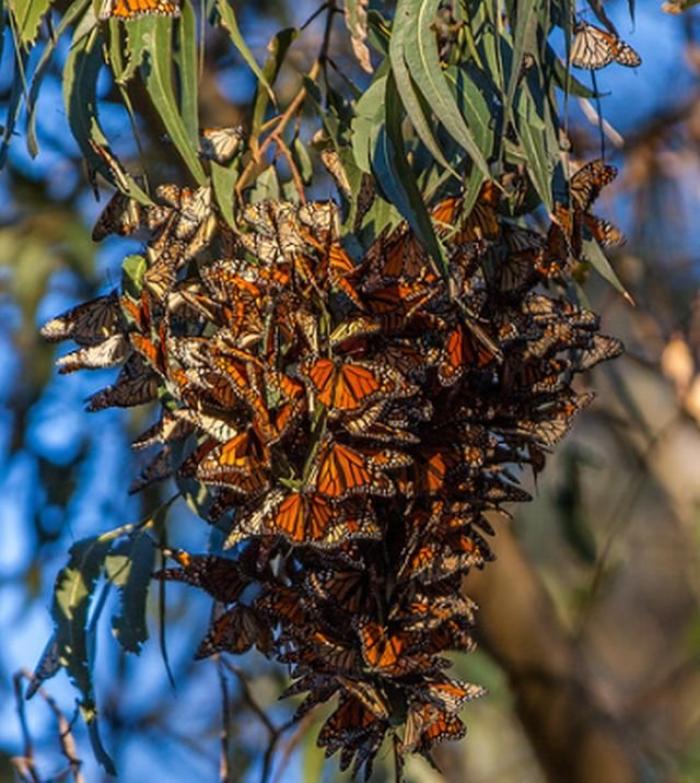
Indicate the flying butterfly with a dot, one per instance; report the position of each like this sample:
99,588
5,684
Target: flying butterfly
126,10
594,48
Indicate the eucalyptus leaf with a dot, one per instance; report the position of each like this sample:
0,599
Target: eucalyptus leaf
157,76
599,261
423,60
28,15
278,48
130,567
396,179
230,24
224,180
188,70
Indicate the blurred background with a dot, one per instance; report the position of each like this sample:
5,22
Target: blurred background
590,617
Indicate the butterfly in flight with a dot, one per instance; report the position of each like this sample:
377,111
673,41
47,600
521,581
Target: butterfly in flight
594,48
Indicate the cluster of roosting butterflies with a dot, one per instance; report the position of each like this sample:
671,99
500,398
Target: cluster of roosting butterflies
354,421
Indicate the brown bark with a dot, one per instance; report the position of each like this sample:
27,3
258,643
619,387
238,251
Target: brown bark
575,739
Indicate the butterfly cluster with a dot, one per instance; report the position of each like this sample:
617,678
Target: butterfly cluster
355,414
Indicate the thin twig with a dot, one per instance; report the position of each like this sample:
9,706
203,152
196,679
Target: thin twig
225,723
294,107
617,520
248,697
284,150
65,735
25,763
292,743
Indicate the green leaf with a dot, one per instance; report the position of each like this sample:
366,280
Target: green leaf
266,186
28,14
534,137
278,47
302,160
407,90
368,115
224,180
80,74
524,42
130,567
593,253
14,104
484,116
396,179
49,665
157,76
423,60
139,39
133,270
230,24
73,591
187,65
42,65
90,717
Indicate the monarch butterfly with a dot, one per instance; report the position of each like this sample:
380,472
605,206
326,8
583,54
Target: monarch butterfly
238,463
396,256
224,579
368,694
133,9
167,429
136,384
334,166
321,652
587,182
430,471
88,323
301,517
428,610
349,589
284,603
350,720
236,631
220,144
603,231
593,48
392,654
109,353
427,724
351,386
322,218
122,215
158,469
342,471
603,348
451,694
480,224
462,351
